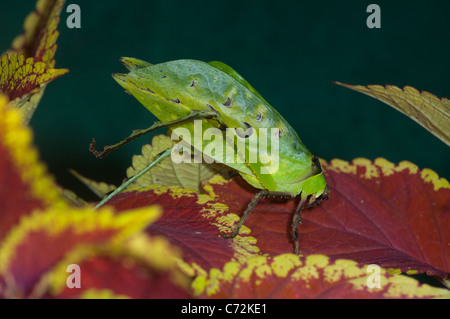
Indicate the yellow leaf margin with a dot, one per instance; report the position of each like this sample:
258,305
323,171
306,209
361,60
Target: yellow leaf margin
217,214
307,270
423,107
381,167
81,221
17,138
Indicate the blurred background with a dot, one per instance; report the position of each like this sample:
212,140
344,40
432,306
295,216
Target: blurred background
290,51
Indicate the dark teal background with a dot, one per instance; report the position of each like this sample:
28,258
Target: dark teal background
290,51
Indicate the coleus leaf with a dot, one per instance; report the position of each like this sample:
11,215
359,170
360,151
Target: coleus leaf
98,188
40,234
25,185
187,175
39,241
29,65
315,276
141,267
193,223
423,107
40,32
395,216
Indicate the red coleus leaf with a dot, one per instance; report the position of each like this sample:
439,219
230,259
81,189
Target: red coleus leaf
29,65
24,183
40,234
140,268
191,222
21,76
315,276
38,242
395,216
104,277
40,32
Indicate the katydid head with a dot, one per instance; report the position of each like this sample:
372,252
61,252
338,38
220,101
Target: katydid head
315,186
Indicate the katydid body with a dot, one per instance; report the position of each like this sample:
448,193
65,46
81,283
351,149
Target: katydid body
175,90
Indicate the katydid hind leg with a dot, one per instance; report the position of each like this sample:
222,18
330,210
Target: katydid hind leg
296,221
252,205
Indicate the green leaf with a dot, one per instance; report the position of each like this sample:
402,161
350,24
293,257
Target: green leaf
98,188
186,175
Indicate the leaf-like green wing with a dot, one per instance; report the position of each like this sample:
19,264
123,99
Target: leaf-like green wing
169,92
231,72
175,89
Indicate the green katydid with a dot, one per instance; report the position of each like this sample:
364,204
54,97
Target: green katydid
184,92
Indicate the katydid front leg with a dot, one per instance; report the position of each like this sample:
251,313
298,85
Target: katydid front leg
195,115
264,193
108,149
297,220
247,212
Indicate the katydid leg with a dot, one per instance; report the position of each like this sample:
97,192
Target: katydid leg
297,220
159,159
195,115
251,206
